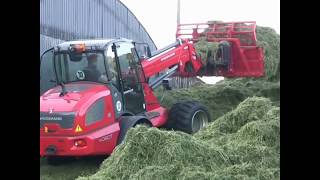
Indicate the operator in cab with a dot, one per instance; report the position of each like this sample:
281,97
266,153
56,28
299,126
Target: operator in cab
92,72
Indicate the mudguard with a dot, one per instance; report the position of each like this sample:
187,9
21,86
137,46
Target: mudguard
126,122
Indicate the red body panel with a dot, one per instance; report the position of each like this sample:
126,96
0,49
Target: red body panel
150,99
79,102
160,120
175,56
99,142
101,138
72,101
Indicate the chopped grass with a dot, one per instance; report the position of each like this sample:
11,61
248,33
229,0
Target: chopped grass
223,96
245,146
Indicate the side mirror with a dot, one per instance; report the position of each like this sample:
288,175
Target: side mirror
143,50
147,50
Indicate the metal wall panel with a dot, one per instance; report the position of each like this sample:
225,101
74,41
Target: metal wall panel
48,42
86,19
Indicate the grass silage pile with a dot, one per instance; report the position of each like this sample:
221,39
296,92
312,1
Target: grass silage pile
270,41
242,144
224,96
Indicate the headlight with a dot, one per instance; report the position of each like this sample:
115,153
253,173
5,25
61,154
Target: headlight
96,112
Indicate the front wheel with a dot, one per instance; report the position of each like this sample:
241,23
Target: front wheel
188,116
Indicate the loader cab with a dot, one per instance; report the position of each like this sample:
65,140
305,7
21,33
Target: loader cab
116,65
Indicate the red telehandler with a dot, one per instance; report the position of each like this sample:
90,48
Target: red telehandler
93,91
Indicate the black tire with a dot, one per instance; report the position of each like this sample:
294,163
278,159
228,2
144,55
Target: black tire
188,116
57,160
143,123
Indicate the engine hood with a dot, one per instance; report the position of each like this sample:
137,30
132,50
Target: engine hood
78,94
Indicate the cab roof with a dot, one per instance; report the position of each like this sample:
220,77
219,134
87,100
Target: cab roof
100,43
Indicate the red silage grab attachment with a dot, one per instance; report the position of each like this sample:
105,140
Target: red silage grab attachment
246,57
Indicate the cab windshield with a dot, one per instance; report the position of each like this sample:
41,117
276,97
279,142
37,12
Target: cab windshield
86,66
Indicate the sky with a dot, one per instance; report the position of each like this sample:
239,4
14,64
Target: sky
159,17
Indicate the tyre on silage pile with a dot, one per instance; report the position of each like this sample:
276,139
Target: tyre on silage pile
188,116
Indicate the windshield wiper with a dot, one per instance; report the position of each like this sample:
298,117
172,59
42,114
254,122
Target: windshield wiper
63,89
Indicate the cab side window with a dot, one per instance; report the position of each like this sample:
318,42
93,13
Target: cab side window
131,78
113,72
128,65
47,76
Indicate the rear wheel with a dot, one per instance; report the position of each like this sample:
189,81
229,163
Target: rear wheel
188,116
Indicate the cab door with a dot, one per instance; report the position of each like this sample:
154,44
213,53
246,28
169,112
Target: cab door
131,77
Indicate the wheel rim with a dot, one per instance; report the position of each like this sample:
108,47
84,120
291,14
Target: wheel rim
199,120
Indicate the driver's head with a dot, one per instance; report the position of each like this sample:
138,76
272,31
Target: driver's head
92,60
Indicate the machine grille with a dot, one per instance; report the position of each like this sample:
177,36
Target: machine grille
64,119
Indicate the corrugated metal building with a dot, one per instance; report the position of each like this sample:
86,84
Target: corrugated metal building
63,20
